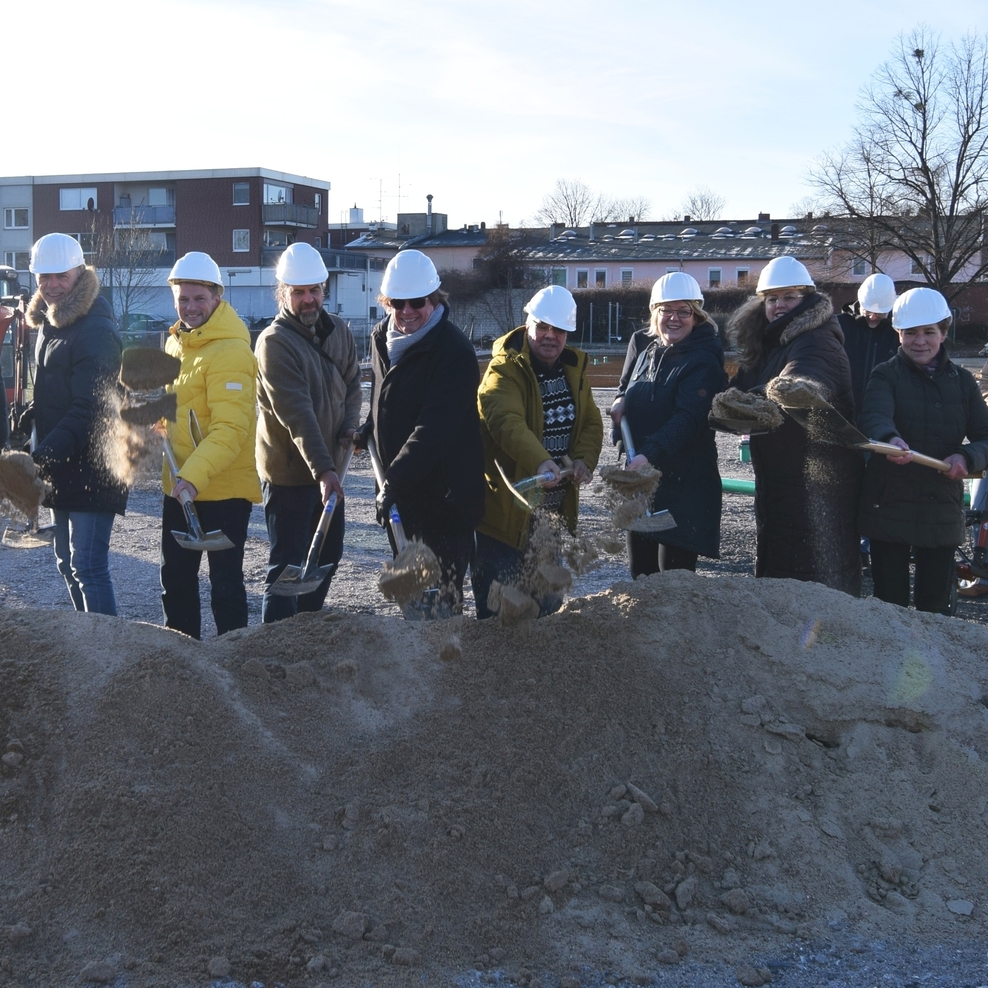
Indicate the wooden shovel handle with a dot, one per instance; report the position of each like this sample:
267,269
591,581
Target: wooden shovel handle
888,449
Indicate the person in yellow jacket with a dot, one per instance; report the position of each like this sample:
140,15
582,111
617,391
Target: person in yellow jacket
214,448
536,407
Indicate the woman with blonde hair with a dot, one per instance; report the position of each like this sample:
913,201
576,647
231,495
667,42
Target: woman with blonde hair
671,373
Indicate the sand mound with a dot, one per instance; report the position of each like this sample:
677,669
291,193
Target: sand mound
680,767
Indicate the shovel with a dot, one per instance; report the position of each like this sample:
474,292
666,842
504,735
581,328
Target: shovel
528,490
144,372
633,516
294,581
415,568
824,424
195,539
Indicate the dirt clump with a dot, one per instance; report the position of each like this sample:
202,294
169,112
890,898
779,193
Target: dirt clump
745,412
21,486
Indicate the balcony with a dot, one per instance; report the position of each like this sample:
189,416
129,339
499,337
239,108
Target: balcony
133,260
129,217
289,214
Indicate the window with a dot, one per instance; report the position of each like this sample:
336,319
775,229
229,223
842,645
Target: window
277,193
713,277
161,197
318,204
559,276
76,198
372,312
17,259
600,278
241,241
671,270
88,242
915,267
859,267
15,219
582,279
626,275
274,238
741,275
241,193
318,242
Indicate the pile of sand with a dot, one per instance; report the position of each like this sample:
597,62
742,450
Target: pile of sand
683,767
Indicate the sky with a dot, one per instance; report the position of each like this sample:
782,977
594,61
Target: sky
485,105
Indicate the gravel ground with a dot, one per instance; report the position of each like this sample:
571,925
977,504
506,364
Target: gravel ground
28,579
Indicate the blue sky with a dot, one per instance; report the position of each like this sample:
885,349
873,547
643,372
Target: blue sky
484,105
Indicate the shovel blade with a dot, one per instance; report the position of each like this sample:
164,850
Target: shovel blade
293,582
146,368
661,521
149,412
210,541
28,538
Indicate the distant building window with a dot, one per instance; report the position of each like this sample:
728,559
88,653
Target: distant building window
318,242
15,219
17,259
915,267
713,277
277,193
626,275
600,278
859,267
582,279
372,312
161,197
76,198
671,270
318,204
241,241
741,275
273,238
559,276
87,241
241,193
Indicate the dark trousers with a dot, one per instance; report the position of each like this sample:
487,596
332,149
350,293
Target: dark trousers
498,561
934,573
647,556
180,567
453,549
291,515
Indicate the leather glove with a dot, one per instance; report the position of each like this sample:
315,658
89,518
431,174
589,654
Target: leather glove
360,435
26,420
383,502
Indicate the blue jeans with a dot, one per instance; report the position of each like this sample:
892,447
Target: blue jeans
498,561
291,515
82,554
180,567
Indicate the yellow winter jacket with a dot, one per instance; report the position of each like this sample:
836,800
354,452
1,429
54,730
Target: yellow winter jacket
218,382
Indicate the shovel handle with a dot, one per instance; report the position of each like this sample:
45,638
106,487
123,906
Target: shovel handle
629,443
184,497
394,519
888,449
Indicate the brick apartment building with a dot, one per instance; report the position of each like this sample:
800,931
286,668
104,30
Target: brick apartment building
134,226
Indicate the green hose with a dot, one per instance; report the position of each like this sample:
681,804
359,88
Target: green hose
731,486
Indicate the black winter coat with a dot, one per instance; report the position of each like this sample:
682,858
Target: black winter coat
933,413
427,428
77,365
866,348
666,402
806,493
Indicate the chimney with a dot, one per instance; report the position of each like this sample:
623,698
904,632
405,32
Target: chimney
775,231
764,217
687,218
428,216
590,238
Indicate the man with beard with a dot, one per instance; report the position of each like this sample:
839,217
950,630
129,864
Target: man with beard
308,393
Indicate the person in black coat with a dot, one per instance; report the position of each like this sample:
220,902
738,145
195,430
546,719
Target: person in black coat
869,338
806,492
78,360
424,420
671,373
920,400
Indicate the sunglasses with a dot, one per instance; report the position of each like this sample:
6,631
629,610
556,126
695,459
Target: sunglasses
416,303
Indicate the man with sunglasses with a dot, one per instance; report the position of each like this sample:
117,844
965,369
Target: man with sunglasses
537,412
423,418
308,395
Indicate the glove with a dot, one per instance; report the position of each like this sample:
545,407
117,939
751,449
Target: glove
383,502
360,435
26,420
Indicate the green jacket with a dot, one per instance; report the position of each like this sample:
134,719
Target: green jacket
217,382
511,427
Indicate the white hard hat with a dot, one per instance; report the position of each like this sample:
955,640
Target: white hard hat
919,307
877,293
409,274
301,264
196,266
55,253
677,286
554,305
783,272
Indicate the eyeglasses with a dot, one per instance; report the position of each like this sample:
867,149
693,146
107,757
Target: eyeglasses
416,303
788,297
664,310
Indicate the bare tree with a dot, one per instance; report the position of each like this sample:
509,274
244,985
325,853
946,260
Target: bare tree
914,178
573,203
702,204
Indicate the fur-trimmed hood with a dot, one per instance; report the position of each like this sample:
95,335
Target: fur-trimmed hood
748,330
72,308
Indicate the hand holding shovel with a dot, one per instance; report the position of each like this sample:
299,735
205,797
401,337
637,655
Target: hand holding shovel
633,515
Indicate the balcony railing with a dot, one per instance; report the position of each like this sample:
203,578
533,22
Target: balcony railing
289,214
130,216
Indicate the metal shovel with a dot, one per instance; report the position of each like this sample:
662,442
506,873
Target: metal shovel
529,490
636,520
195,539
293,581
